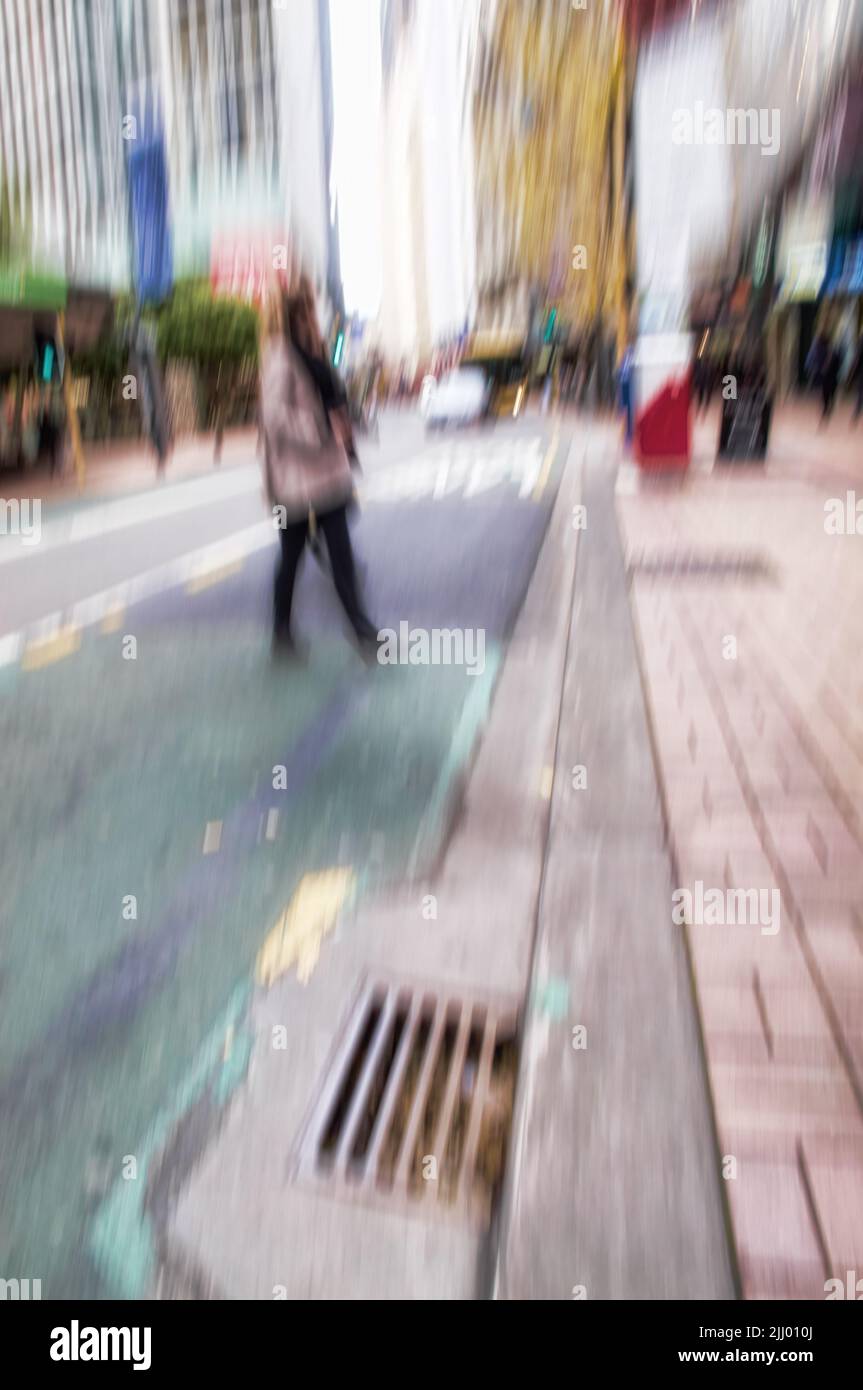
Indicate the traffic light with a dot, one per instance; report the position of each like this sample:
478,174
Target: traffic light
338,348
551,320
49,362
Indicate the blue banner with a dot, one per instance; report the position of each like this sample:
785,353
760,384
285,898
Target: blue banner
148,191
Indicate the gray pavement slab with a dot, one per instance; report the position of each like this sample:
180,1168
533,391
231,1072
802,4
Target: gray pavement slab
613,1187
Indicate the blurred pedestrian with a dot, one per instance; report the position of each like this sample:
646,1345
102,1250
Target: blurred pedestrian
626,390
823,364
53,438
703,378
30,428
855,379
830,380
220,412
307,439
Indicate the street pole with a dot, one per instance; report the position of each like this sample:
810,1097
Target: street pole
621,264
71,408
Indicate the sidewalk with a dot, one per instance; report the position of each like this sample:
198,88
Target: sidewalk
613,1190
118,467
760,750
800,446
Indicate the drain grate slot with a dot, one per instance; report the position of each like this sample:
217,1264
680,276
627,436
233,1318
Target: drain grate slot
371,1098
417,1103
408,1148
461,1115
336,1123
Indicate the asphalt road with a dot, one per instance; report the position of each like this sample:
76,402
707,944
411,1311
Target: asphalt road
145,852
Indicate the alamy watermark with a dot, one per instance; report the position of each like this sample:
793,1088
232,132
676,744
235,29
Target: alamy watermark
77,1343
727,907
734,126
844,518
20,1290
21,517
437,646
851,1287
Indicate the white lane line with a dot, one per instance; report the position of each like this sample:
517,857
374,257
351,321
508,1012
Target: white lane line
88,612
44,628
135,510
11,648
150,506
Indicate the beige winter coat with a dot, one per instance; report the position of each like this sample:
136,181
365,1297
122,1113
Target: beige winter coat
304,466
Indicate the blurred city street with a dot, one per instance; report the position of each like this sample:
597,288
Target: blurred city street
103,1021
431,610
131,1024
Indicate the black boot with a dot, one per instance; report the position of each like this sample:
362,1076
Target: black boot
284,648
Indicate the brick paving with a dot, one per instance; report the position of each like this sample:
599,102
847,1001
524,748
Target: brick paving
760,756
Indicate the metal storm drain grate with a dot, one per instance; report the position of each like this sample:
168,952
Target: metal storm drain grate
690,564
417,1103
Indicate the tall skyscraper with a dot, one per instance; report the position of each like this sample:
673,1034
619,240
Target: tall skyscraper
61,156
240,87
428,52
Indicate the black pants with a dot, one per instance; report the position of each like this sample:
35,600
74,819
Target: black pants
828,396
334,526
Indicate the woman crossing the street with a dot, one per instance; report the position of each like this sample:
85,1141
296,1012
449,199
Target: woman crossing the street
307,449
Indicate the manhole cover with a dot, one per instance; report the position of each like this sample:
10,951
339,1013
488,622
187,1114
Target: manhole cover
695,565
416,1104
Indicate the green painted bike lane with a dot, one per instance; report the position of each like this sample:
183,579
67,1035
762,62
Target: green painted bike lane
113,771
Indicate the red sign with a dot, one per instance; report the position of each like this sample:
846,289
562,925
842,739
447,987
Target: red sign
244,264
646,17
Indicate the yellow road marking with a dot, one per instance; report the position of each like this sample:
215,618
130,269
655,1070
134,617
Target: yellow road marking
113,619
545,471
49,649
212,837
310,915
214,576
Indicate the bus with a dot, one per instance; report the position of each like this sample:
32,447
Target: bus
502,357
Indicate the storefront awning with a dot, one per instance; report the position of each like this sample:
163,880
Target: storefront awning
27,289
30,303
